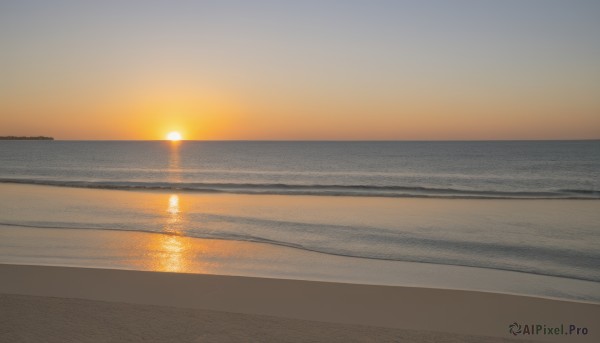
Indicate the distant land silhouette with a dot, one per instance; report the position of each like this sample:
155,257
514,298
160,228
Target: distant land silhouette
26,138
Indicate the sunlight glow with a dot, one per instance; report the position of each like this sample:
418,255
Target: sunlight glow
174,136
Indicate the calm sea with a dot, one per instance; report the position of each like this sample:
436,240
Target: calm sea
526,206
516,169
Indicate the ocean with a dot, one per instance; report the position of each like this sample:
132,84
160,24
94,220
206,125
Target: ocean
521,206
512,169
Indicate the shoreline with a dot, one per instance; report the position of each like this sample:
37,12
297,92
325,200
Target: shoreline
301,249
397,307
114,249
536,239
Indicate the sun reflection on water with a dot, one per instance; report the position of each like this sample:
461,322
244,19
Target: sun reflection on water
173,222
171,246
173,204
174,169
173,251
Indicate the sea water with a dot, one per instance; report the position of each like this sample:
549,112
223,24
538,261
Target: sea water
529,207
513,169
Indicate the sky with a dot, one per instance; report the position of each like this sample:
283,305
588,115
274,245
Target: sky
300,70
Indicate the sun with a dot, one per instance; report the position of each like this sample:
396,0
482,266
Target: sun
174,136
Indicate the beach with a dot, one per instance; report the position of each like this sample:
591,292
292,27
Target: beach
149,287
299,171
209,304
210,247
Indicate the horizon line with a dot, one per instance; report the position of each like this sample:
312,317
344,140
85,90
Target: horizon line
329,140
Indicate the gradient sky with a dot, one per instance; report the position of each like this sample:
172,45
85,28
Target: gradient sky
300,69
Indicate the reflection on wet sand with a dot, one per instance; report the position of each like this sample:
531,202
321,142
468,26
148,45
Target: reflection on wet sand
172,250
173,253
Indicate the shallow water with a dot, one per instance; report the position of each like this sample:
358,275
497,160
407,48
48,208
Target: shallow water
547,237
111,249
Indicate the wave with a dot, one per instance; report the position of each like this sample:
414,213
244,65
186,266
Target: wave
316,189
561,259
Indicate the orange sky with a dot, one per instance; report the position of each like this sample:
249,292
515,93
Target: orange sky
393,71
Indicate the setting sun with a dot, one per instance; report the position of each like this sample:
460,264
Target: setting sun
174,136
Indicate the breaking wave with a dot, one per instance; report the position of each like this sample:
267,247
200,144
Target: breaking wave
316,189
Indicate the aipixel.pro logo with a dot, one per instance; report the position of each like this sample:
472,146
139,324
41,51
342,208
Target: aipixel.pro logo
516,329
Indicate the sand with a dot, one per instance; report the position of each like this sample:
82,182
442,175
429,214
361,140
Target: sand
64,320
62,304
